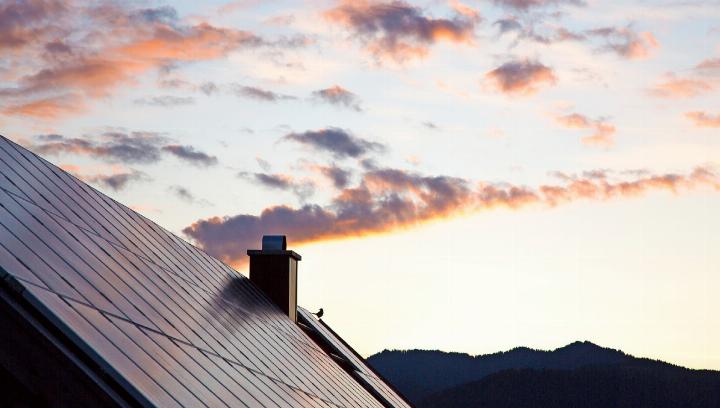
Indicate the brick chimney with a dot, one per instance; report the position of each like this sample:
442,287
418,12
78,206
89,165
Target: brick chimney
274,270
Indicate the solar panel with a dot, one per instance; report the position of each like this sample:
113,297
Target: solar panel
358,366
172,325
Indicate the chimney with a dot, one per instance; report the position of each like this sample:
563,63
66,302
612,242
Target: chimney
274,270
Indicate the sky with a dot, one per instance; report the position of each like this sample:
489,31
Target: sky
466,176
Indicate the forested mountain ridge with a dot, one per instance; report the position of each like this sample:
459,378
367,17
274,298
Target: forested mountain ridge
432,377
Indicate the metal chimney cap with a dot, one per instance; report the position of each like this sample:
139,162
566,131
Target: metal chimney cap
274,243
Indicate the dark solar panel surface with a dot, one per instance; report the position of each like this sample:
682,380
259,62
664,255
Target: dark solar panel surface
365,373
175,326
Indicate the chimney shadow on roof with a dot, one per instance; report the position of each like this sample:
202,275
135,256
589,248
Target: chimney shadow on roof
235,305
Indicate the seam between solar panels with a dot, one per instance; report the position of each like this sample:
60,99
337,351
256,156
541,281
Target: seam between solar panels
66,299
145,328
29,183
47,323
75,267
96,196
319,353
151,306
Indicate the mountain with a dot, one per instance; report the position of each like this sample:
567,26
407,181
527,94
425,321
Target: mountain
435,378
587,387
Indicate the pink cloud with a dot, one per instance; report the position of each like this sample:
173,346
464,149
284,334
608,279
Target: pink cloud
602,130
57,48
703,119
522,77
677,87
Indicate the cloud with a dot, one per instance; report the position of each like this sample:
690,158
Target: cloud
390,199
117,146
209,88
622,41
337,141
110,146
338,176
398,31
264,164
279,181
46,108
626,42
339,96
703,119
117,180
21,21
709,66
185,195
303,189
508,24
546,36
525,5
677,87
521,77
260,94
182,193
166,101
55,48
191,155
602,130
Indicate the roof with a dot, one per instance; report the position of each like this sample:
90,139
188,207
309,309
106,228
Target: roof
160,319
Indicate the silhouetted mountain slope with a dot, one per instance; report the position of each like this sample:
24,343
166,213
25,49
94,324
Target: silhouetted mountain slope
587,387
421,373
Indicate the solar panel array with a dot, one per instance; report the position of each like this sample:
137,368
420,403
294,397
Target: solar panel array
174,326
364,373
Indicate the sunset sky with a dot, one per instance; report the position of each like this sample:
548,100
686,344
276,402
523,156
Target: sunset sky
465,176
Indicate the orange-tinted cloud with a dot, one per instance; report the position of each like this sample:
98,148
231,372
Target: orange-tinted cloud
46,108
21,22
117,179
626,42
522,77
711,65
398,31
389,199
703,119
339,96
602,130
100,47
676,87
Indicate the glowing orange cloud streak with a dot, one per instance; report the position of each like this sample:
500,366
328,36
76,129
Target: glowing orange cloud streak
389,199
101,47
